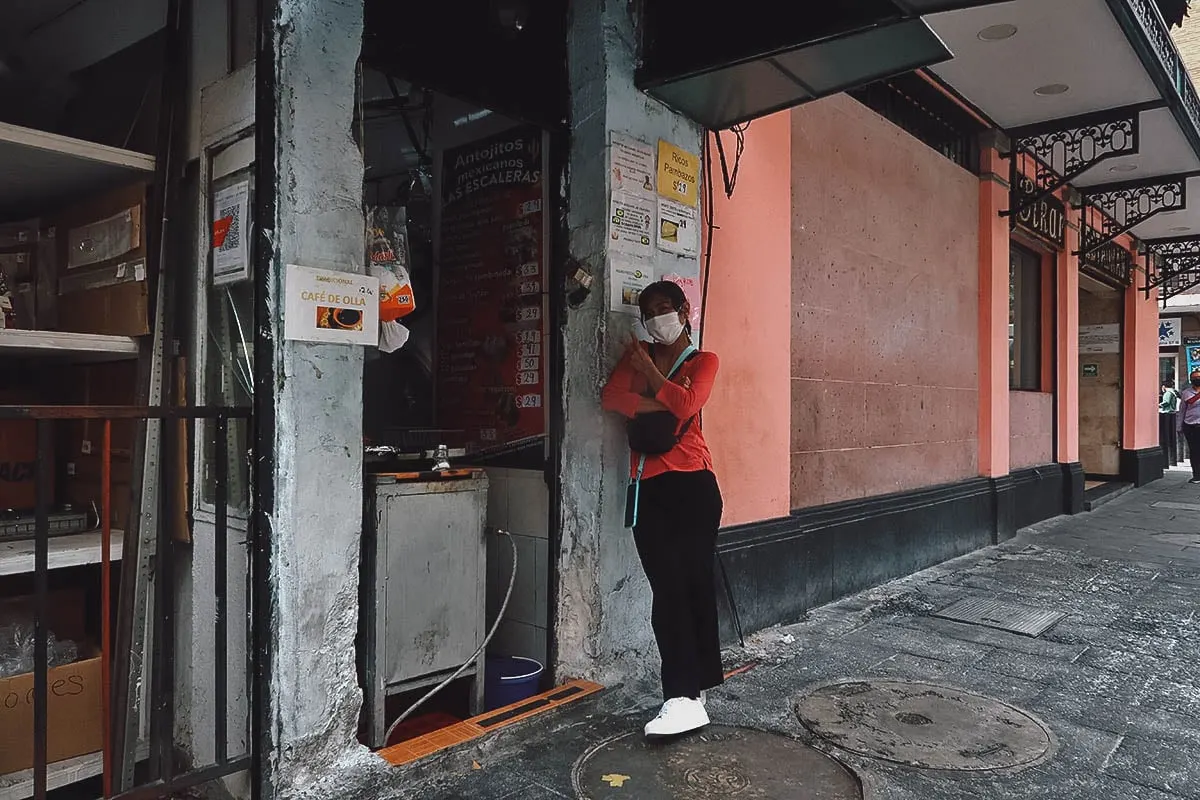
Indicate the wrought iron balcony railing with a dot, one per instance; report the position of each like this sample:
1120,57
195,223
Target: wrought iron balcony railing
1148,30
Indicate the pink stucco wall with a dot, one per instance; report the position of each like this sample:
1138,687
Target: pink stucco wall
885,301
1031,424
1141,369
1067,316
993,316
747,323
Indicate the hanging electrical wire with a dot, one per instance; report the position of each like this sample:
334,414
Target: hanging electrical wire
729,175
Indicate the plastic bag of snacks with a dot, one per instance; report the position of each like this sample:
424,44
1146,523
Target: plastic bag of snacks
387,233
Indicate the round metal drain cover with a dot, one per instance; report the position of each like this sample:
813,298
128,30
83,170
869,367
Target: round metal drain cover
922,725
716,764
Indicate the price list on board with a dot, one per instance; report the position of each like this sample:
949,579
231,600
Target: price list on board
491,346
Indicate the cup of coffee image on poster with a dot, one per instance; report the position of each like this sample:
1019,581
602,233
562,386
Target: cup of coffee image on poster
491,347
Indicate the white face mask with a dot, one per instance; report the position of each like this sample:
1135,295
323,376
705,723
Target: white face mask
665,328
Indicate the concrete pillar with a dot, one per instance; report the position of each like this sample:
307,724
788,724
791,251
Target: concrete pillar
1066,400
994,234
316,514
604,602
748,325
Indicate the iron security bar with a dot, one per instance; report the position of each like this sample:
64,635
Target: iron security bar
163,776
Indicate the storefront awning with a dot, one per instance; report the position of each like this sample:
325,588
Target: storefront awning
728,67
1094,93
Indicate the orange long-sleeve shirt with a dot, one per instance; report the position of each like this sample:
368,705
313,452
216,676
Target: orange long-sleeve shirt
684,395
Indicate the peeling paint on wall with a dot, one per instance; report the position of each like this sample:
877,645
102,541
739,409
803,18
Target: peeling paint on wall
314,696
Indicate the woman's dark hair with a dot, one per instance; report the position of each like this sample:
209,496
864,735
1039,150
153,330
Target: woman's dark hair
670,291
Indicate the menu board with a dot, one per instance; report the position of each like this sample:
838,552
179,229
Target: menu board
491,365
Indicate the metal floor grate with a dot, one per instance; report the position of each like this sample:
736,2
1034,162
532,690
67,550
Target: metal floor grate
1003,616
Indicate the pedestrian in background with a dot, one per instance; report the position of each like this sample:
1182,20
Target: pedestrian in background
1168,407
1189,422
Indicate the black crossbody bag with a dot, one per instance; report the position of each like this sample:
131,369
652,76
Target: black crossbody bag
653,434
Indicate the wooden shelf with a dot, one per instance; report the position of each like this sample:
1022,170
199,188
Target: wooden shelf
75,550
39,171
19,785
70,346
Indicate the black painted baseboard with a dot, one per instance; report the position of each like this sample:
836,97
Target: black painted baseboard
781,568
1039,494
1074,484
1141,467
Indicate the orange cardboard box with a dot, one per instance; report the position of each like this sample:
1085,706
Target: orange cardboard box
73,722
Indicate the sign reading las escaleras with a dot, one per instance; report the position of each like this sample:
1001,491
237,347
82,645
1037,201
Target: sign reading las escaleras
1046,218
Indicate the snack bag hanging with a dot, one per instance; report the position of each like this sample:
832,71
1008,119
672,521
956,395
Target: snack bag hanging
387,233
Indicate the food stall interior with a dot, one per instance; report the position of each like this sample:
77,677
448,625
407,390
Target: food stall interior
454,409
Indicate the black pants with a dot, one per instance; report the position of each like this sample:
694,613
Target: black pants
1192,434
676,535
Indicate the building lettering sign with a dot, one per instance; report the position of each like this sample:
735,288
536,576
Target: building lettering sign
1046,218
1109,263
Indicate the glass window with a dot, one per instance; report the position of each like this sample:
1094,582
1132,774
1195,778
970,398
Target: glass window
1025,320
229,350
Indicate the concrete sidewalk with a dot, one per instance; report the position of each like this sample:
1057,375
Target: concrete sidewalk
1115,684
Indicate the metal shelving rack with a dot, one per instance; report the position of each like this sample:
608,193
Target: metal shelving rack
39,171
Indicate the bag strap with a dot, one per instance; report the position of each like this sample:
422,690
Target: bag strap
687,353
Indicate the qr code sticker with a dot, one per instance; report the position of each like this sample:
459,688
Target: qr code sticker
233,237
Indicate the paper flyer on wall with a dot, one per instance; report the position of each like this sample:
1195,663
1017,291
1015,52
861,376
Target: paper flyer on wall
627,279
328,306
231,252
631,165
677,230
631,224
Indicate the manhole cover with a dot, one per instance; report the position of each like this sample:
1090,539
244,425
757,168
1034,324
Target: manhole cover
1006,617
716,764
922,725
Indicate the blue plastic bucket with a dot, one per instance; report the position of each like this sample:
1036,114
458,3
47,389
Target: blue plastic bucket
510,679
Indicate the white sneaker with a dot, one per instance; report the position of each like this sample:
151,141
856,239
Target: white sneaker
678,715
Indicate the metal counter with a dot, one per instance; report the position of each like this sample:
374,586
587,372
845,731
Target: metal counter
423,591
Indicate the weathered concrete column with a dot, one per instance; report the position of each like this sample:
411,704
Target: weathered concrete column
316,518
603,605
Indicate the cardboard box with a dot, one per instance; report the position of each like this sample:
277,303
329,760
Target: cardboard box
121,310
74,720
101,248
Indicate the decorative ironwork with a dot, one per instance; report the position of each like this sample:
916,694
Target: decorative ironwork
1157,34
1174,247
1191,102
1123,206
1052,154
1150,36
1110,263
1176,265
1179,282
